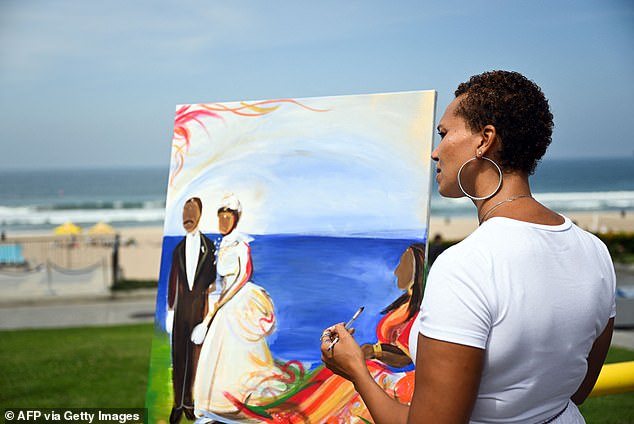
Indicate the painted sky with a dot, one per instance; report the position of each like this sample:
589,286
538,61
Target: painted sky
341,165
94,84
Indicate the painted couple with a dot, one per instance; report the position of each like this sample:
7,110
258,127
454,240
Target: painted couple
217,317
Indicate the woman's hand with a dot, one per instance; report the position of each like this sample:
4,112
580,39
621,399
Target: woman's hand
344,357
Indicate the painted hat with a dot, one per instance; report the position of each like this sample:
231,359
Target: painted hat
230,201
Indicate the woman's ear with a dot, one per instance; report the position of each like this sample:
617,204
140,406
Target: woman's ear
487,142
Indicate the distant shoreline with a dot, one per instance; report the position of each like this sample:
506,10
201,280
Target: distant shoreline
448,225
166,167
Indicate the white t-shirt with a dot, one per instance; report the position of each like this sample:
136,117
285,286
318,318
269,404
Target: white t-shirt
535,297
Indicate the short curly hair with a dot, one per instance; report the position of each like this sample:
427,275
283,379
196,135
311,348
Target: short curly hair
518,110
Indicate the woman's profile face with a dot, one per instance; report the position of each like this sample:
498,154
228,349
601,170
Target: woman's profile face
457,145
226,222
405,270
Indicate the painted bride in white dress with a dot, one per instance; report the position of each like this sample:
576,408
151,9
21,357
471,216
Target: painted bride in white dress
235,362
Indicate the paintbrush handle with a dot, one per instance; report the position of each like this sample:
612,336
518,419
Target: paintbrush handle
354,317
333,343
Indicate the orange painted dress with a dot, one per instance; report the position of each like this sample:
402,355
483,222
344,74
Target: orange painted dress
394,329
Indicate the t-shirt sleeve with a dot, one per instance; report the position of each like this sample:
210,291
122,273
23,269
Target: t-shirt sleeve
455,305
608,272
613,279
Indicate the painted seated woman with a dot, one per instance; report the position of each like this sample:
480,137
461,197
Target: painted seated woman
393,330
235,362
330,398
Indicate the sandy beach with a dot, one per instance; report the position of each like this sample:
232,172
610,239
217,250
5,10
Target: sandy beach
455,228
141,260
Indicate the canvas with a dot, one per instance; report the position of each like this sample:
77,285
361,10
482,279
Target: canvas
284,217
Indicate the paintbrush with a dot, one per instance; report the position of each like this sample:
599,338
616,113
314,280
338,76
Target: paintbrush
347,326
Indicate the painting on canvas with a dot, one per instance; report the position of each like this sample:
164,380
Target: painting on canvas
284,217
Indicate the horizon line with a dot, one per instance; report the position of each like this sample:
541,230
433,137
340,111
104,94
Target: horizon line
115,167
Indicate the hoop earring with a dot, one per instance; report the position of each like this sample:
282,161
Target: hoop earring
474,197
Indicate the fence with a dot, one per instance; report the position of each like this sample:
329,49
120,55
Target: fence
57,265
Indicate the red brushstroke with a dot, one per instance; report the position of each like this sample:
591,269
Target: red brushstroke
185,117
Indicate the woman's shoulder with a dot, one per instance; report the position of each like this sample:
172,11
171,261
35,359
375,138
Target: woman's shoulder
469,256
497,235
475,255
480,241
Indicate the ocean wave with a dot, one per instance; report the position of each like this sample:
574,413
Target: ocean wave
35,216
563,202
103,205
589,201
153,211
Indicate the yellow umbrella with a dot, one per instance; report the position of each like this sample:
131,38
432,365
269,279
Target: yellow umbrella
67,228
101,228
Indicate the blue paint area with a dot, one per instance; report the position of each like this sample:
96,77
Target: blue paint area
315,282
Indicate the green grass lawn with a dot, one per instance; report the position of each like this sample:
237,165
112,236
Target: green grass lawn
612,409
107,367
104,367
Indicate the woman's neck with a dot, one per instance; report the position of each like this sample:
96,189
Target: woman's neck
513,193
515,201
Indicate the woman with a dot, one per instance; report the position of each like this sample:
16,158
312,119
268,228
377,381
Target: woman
394,328
235,362
517,318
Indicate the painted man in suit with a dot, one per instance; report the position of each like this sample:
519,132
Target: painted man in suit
192,276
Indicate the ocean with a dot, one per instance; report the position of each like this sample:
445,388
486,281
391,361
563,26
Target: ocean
42,199
314,282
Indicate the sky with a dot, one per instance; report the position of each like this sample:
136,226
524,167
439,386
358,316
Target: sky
95,84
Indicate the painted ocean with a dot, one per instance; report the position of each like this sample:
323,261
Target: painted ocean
348,272
41,199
